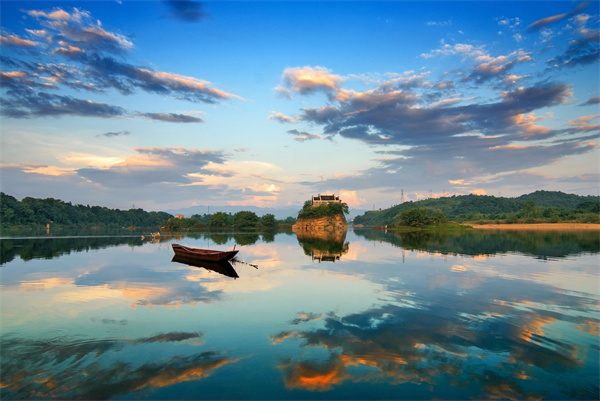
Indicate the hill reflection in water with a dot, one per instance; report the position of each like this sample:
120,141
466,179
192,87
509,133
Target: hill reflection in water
541,244
475,316
331,246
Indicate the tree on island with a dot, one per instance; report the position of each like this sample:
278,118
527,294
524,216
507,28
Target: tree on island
329,209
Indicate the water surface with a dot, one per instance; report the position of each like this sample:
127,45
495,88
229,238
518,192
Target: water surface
373,316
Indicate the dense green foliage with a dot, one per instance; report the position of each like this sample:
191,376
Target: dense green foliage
31,212
421,217
36,213
268,221
540,206
220,221
557,199
329,209
245,220
177,225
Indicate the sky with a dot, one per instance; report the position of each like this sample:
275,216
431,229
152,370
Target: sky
163,105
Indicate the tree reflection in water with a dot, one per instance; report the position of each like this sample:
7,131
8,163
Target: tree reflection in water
323,246
53,247
121,322
542,244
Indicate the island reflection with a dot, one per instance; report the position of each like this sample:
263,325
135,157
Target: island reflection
323,246
123,323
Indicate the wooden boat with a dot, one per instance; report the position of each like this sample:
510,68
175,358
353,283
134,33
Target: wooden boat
223,267
203,254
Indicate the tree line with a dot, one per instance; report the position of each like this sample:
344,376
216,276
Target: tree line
32,212
249,221
221,221
537,207
540,206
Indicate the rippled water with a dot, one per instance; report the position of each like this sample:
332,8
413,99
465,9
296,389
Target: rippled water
373,316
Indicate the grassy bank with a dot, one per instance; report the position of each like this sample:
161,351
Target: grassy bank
433,228
538,226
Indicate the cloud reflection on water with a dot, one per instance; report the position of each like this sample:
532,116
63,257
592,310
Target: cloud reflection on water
72,368
483,325
510,339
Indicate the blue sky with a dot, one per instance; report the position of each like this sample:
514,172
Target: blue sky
165,105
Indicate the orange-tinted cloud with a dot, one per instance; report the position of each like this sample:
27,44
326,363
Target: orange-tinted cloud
49,170
14,40
352,198
307,80
314,376
257,200
175,376
282,118
558,17
583,123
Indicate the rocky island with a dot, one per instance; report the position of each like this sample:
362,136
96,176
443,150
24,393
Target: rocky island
322,217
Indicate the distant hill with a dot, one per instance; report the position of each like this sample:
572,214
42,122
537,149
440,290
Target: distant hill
555,199
543,204
30,212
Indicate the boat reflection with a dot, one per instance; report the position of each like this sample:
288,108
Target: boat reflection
225,268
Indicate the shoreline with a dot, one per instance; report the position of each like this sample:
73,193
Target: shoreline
539,227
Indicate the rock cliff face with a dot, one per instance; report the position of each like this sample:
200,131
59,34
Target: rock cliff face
321,226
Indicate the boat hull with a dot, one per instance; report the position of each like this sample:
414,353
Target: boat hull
223,267
203,254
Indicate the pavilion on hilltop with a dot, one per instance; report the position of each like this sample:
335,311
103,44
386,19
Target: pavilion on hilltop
324,199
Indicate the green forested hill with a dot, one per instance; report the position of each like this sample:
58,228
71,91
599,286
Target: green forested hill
555,199
551,206
31,212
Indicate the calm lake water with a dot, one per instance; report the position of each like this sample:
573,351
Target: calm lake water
370,316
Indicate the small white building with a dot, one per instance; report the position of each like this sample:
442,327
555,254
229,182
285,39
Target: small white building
323,199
